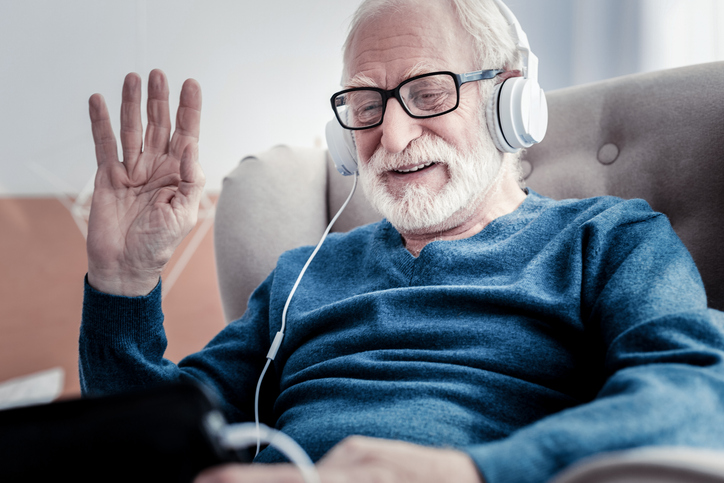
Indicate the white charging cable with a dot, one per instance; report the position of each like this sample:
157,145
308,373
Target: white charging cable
239,436
280,335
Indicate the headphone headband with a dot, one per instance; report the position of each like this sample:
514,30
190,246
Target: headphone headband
530,61
517,112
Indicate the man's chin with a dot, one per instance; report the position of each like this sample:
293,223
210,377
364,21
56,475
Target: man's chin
421,212
426,225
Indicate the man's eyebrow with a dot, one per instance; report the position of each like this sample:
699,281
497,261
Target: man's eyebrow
361,80
419,69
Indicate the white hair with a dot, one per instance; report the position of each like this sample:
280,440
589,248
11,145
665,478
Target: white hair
491,38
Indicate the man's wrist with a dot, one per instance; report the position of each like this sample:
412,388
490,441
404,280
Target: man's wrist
127,284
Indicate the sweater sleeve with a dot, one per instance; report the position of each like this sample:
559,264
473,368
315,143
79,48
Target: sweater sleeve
662,356
122,343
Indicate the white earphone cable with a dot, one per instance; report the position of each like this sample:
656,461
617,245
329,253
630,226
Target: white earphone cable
280,335
237,436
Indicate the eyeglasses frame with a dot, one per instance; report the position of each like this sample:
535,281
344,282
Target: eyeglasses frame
388,94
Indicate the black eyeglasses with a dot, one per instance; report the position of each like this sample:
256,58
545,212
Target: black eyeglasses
422,96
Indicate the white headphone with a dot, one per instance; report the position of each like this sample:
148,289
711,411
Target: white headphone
516,113
342,148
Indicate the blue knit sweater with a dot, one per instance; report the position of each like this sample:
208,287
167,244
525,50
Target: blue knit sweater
561,330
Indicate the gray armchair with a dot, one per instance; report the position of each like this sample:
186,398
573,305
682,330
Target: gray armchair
657,136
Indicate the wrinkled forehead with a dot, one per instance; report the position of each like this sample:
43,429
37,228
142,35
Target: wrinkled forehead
399,43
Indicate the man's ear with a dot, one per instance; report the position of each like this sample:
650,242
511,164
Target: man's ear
500,78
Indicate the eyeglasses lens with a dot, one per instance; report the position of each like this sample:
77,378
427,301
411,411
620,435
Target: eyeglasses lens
423,97
359,108
429,96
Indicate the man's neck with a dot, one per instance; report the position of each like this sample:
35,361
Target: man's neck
504,197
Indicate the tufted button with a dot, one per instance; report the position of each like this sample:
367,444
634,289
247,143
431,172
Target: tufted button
526,168
608,153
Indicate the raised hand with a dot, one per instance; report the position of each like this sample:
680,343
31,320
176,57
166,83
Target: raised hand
145,205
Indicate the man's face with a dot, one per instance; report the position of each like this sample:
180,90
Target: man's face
421,174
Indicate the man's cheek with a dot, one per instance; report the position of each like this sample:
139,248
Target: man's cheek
366,144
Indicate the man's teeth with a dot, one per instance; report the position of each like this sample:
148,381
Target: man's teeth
415,168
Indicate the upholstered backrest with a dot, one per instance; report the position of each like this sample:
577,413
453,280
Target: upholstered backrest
657,136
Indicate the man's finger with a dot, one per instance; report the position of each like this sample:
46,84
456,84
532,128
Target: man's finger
159,120
281,473
356,450
188,118
105,141
131,124
192,180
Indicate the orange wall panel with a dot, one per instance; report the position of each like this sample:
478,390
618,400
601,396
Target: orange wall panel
42,265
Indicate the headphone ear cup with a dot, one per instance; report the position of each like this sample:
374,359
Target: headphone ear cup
492,116
342,148
522,113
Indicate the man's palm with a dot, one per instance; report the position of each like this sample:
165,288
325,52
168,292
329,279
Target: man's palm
144,206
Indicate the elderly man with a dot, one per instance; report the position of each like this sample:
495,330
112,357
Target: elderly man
482,332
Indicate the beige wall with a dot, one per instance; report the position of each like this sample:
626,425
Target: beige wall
42,262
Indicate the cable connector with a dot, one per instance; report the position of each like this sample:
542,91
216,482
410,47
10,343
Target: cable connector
275,346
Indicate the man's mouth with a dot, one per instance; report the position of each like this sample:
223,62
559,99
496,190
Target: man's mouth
415,168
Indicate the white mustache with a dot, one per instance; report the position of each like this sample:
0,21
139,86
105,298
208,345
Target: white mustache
423,150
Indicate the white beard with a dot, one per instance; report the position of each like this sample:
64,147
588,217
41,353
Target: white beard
420,209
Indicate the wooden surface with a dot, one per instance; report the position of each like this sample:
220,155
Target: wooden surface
42,265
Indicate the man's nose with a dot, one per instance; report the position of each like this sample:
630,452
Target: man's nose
398,129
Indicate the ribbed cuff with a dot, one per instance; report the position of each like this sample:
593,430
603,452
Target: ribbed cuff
504,461
118,319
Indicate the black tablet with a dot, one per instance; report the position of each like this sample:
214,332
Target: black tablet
163,434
